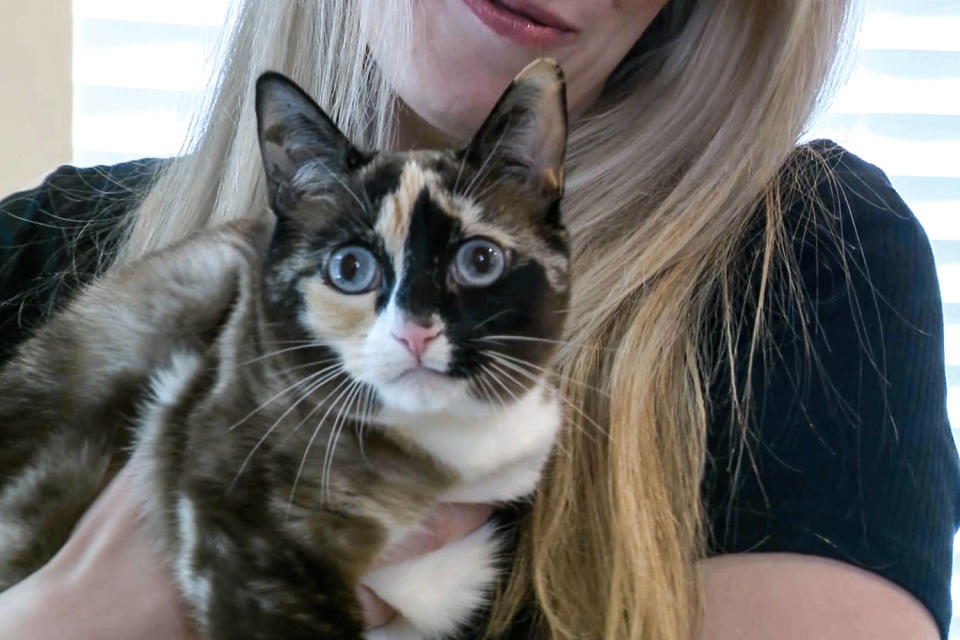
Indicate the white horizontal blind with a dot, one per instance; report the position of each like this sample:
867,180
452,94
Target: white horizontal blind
900,110
138,69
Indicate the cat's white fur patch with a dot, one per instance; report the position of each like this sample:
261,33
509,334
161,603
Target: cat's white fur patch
167,387
436,592
194,586
170,383
166,391
507,449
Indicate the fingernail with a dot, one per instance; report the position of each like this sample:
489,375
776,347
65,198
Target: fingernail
375,611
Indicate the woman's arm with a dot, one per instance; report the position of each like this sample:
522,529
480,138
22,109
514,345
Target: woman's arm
851,462
786,596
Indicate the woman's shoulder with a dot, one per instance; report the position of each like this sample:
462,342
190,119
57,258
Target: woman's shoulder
843,208
55,236
851,454
80,190
71,195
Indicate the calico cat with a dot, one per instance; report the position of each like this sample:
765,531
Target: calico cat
295,390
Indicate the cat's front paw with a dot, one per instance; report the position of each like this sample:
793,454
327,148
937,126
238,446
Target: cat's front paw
437,592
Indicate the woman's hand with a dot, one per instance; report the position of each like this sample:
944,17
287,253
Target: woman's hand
107,582
442,525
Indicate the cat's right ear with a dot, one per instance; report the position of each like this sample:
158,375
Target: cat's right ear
526,133
300,145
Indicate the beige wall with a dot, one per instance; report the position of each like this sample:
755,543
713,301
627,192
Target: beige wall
35,90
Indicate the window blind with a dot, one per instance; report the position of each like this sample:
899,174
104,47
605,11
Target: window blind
900,110
138,71
139,66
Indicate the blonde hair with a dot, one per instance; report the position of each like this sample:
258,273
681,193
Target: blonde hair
665,174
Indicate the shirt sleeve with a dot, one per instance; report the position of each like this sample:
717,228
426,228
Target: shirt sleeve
850,455
56,236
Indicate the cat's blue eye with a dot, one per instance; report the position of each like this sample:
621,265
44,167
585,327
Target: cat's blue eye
353,270
478,263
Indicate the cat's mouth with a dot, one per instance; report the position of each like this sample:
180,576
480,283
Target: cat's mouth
419,372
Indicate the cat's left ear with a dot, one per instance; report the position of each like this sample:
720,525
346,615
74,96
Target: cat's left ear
526,133
295,133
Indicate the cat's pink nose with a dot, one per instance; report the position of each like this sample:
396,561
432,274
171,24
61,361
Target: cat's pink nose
415,337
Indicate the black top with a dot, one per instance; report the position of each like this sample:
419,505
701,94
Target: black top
851,455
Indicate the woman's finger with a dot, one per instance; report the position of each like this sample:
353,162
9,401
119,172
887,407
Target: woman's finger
442,525
375,611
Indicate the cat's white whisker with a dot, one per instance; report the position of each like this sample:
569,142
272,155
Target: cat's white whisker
316,363
486,161
493,317
274,340
476,386
496,338
305,345
485,380
313,387
341,182
317,406
338,424
280,393
365,416
463,162
306,452
560,396
357,397
490,380
503,384
534,368
332,439
500,339
490,187
366,196
301,343
542,371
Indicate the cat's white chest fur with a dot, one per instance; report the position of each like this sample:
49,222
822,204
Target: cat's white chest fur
498,459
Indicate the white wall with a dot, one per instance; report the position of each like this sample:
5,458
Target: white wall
35,90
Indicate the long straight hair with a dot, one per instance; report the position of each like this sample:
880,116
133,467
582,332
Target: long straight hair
666,172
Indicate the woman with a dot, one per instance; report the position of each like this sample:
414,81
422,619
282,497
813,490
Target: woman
756,344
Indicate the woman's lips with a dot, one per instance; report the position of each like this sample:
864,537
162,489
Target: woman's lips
521,22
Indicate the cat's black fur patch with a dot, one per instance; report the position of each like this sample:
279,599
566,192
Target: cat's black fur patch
422,292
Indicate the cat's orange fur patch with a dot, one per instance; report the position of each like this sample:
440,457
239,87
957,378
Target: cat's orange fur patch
394,220
343,317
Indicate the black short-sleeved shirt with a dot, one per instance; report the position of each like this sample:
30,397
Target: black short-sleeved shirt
850,453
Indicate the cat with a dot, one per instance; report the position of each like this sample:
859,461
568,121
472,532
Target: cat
296,389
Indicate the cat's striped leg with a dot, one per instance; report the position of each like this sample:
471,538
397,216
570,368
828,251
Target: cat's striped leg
243,581
43,501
